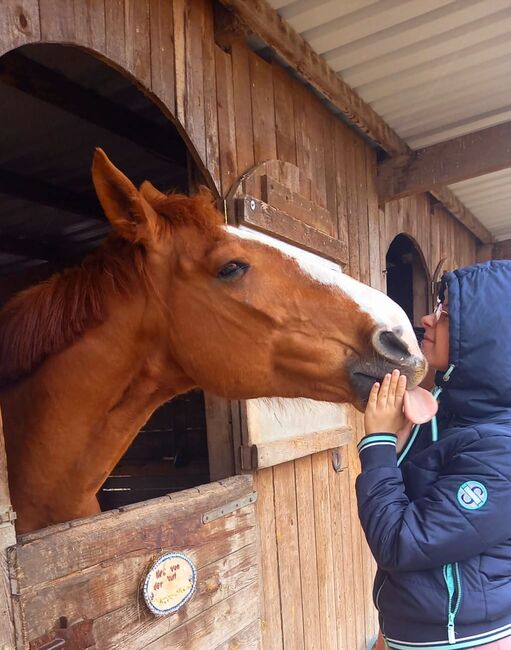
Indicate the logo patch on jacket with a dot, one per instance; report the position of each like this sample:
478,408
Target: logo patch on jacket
472,495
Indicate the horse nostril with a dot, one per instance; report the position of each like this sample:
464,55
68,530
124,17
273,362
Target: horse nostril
390,344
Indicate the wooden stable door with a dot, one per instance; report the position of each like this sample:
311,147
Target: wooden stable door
78,585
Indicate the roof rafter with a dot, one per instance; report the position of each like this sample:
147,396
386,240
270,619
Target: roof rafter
466,156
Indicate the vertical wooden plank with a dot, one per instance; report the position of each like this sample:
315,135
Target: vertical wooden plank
375,270
435,237
163,73
138,46
220,438
7,538
303,160
180,58
194,76
356,537
363,223
19,24
352,204
340,178
284,114
316,114
424,229
263,112
57,20
90,24
307,550
328,144
115,31
338,489
288,556
269,585
210,94
324,555
226,120
242,107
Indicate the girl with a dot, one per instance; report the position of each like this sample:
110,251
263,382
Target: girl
437,515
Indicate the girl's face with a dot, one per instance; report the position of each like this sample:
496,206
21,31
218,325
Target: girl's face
435,344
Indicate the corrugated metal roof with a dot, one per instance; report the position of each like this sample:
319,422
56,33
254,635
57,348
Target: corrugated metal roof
433,70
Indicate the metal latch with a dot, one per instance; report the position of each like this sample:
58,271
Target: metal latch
229,507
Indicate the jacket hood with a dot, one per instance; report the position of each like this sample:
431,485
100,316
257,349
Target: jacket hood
479,342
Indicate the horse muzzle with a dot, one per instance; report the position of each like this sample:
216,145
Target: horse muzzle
390,351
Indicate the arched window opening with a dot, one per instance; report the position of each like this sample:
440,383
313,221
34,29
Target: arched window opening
57,104
407,279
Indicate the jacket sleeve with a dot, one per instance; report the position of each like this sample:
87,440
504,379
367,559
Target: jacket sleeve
465,511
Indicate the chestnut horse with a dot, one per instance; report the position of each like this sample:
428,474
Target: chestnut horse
173,300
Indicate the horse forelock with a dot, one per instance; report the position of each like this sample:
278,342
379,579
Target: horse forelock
48,317
178,210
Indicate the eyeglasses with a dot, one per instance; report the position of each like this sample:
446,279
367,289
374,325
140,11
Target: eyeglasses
440,311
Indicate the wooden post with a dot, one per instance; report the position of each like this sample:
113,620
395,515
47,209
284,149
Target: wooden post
7,538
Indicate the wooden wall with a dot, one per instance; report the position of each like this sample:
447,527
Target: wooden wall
502,250
236,109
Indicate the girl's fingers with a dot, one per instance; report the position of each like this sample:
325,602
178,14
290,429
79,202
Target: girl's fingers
373,395
400,391
393,387
384,391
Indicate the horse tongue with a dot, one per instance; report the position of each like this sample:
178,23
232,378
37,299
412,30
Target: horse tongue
419,405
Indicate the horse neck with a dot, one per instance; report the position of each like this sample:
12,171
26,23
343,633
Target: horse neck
84,406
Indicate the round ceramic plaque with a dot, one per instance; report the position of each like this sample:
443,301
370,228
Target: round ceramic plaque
170,583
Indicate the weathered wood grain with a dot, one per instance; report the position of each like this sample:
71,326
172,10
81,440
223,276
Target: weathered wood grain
156,522
289,566
7,538
163,71
281,197
226,120
268,219
19,24
279,451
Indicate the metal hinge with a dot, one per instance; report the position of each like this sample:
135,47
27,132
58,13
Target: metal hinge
229,507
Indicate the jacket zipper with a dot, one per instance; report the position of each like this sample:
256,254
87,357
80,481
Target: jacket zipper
452,580
378,594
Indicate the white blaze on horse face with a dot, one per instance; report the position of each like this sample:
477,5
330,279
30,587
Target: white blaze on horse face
383,311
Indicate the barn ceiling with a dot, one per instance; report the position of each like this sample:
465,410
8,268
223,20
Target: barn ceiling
433,70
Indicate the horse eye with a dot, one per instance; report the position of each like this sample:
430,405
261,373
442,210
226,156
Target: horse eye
232,270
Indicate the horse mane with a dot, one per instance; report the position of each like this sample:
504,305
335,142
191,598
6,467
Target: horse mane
48,317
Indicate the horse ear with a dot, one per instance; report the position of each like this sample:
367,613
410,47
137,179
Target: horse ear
127,210
151,194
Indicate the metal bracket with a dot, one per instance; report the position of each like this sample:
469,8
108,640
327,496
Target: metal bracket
227,508
7,516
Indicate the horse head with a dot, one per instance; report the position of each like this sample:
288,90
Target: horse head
242,315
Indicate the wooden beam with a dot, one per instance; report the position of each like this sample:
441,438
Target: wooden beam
451,202
467,156
37,191
264,217
54,88
264,21
294,50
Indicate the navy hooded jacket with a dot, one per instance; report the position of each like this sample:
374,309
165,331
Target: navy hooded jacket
438,520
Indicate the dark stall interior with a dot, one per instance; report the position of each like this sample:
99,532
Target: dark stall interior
407,280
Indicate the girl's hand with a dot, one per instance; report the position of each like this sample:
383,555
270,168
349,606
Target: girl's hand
384,411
